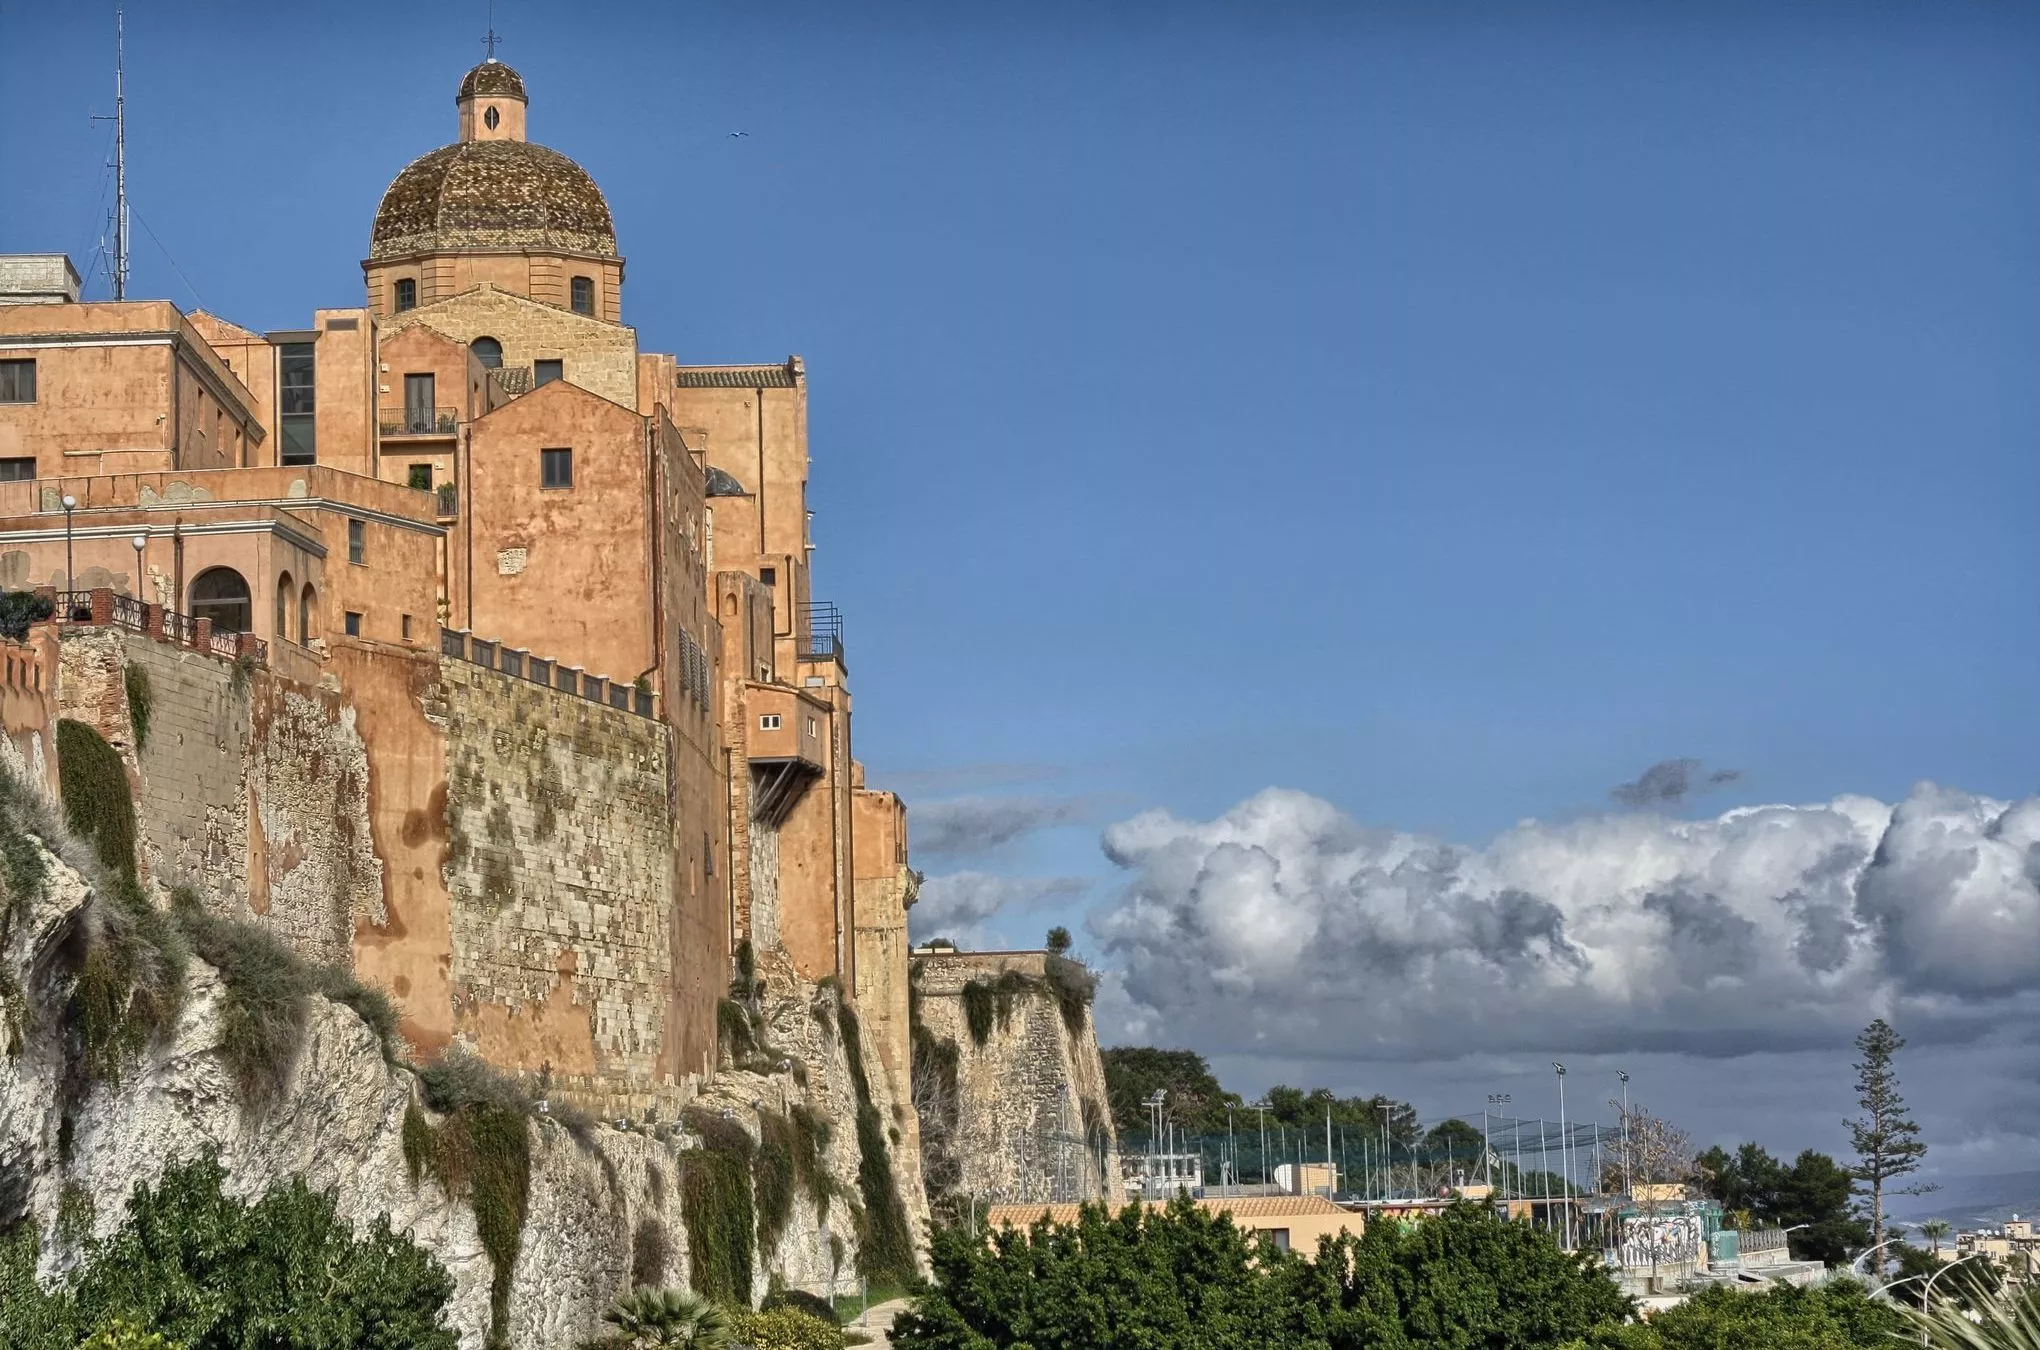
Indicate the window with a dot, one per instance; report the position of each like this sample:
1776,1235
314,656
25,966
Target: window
769,575
1279,1236
583,292
221,594
419,414
768,721
357,541
556,468
285,593
17,381
307,606
707,855
544,372
17,470
354,623
407,294
813,729
296,378
488,351
421,477
492,119
407,628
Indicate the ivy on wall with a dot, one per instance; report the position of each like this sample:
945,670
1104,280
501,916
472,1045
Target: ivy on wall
715,1204
885,1251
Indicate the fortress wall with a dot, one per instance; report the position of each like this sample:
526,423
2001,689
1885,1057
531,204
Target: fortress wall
250,787
560,872
1032,1121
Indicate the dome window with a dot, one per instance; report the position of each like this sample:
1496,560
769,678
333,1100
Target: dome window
488,351
407,294
583,291
491,119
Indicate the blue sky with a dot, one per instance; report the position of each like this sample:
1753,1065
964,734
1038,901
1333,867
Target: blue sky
1444,410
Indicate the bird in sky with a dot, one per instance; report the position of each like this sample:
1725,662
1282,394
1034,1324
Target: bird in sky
735,134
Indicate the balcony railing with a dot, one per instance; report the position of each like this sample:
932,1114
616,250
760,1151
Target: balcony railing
824,625
104,608
449,500
421,422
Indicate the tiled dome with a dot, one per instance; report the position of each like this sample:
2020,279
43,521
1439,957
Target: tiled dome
492,195
491,77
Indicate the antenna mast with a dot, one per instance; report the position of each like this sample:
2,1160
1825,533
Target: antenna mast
119,120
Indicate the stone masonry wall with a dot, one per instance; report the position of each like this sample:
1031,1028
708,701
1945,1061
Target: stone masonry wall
1032,1122
559,872
250,787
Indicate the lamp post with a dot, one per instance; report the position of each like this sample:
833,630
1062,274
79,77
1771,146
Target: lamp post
70,566
141,543
1927,1292
1623,1074
1564,1153
1856,1266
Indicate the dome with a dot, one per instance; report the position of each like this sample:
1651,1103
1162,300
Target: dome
491,77
492,195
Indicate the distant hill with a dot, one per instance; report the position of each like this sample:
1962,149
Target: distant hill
1974,1202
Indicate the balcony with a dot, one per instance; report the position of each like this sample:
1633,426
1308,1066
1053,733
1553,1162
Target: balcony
822,624
420,422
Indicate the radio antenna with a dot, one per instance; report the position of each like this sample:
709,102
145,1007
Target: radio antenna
119,120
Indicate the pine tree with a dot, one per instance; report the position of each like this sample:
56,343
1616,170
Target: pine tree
1886,1139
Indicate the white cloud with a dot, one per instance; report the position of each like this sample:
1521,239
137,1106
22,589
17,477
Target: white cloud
961,905
1772,927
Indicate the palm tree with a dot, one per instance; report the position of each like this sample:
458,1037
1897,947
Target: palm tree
1934,1230
671,1318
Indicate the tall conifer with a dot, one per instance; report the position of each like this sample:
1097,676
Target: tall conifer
1887,1139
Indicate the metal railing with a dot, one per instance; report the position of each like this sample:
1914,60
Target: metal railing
520,664
1761,1240
449,500
823,623
420,422
132,613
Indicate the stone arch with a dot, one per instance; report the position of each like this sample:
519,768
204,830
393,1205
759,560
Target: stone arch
221,594
307,614
488,351
286,595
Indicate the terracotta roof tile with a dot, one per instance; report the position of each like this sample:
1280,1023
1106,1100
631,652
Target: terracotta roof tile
1244,1207
492,77
492,195
719,377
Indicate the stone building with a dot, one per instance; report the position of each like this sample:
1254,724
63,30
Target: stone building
553,590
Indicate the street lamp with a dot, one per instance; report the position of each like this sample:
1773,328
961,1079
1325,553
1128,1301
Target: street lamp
1856,1266
1564,1153
141,543
1927,1293
70,566
1627,1185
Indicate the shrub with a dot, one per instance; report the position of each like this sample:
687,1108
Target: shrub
666,1317
1073,987
19,609
204,1270
97,803
813,1304
980,1007
788,1328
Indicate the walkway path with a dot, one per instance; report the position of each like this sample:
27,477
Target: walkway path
877,1323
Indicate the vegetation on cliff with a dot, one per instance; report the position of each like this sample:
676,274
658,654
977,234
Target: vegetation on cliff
480,1151
885,1249
209,1272
716,1203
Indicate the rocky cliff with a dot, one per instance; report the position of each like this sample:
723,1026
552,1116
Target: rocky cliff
124,1054
1007,1079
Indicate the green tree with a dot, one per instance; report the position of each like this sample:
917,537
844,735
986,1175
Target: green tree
1969,1284
1838,1315
666,1319
1180,1278
1465,1280
212,1273
1188,1280
1059,941
1815,1191
121,1334
1133,1073
1933,1230
1886,1139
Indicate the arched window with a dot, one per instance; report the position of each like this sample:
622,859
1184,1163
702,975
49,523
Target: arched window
407,294
488,351
285,594
307,611
583,292
221,594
